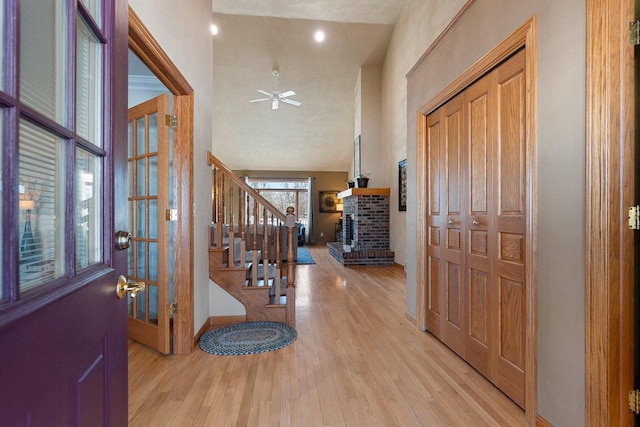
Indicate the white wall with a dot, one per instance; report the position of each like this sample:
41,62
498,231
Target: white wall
418,26
183,33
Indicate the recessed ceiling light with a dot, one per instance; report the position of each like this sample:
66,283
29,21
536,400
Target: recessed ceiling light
214,29
319,36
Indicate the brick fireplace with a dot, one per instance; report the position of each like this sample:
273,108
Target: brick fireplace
366,218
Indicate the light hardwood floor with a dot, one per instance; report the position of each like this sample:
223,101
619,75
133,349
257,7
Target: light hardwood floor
357,362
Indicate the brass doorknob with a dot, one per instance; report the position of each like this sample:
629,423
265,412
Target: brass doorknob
476,222
450,222
123,286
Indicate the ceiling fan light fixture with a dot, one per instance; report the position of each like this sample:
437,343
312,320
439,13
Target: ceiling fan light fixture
276,96
319,36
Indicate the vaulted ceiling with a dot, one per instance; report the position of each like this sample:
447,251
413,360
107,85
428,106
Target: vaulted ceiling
257,35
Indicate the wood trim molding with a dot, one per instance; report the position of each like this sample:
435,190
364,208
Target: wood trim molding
444,32
422,293
609,189
524,37
410,317
541,422
144,45
364,192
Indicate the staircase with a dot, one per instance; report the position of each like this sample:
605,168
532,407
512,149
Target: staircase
252,248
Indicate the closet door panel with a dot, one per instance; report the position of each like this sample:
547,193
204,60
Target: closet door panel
453,334
435,186
478,106
510,184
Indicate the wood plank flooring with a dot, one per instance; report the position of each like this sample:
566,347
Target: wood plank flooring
357,362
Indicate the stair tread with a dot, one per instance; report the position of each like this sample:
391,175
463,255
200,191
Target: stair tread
280,302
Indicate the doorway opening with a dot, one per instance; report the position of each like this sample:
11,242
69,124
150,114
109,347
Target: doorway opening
166,79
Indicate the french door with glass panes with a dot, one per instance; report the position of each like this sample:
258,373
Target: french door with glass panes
63,348
148,261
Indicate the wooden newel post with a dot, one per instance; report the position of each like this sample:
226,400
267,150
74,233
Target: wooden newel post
290,223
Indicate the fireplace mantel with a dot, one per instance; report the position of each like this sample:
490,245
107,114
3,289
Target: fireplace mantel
364,192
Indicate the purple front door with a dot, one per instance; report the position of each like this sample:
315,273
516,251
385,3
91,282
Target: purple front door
63,197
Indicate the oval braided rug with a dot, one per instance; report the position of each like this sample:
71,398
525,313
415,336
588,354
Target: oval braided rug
247,338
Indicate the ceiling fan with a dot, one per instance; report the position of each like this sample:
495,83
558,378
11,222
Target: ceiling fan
275,97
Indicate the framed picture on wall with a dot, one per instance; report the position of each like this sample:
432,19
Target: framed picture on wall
328,201
402,185
356,157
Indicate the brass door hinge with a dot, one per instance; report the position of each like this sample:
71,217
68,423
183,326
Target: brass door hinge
634,401
634,32
634,217
173,308
171,214
171,120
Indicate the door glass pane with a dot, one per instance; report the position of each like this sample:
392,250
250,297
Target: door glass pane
153,133
140,303
88,209
140,174
95,8
153,218
153,262
42,206
130,139
140,143
153,175
140,230
153,304
43,57
141,261
88,84
130,179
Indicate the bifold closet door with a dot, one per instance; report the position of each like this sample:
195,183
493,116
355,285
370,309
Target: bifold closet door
476,225
510,185
435,220
446,227
453,251
479,106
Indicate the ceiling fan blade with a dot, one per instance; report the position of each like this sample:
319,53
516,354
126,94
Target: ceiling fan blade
287,93
258,100
265,93
292,102
274,104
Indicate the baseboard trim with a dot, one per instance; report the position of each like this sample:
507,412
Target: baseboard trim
541,422
399,266
218,321
410,318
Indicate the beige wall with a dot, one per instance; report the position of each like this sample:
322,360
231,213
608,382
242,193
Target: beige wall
370,143
189,38
420,23
560,183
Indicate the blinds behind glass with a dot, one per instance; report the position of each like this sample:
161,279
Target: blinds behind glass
41,223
